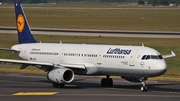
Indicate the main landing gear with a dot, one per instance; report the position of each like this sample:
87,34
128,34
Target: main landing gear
107,82
58,85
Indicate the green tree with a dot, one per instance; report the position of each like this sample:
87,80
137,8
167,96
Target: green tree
141,2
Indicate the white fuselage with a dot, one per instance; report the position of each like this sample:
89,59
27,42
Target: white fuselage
98,59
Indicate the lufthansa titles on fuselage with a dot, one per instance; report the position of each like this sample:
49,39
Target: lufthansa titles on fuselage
35,49
118,51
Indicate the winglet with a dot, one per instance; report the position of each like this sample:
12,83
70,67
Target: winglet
23,29
169,55
173,53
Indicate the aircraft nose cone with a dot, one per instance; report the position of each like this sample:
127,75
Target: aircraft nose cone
161,67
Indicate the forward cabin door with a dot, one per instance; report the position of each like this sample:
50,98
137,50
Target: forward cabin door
132,58
26,53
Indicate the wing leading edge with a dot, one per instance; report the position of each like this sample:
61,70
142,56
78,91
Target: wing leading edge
7,49
26,63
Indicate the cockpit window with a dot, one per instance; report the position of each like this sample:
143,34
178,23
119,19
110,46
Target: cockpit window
160,57
143,57
154,57
146,57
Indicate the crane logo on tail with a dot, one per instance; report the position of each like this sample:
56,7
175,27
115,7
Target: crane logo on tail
20,22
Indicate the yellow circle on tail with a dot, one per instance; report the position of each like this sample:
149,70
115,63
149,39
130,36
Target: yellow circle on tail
20,22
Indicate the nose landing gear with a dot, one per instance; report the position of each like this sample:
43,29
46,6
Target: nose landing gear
144,88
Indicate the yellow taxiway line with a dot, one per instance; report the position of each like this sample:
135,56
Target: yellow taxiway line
34,93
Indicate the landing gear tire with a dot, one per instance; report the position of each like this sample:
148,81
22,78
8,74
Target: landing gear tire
106,82
57,85
103,82
144,89
109,82
61,85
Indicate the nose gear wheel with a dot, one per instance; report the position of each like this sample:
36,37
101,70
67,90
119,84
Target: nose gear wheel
144,88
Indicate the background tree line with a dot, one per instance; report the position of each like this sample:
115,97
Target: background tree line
163,2
86,1
153,2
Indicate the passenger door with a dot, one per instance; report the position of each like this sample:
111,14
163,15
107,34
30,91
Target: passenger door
132,58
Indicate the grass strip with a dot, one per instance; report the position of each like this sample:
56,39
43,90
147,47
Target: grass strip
131,19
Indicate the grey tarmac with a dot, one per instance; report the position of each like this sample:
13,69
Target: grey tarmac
28,87
105,33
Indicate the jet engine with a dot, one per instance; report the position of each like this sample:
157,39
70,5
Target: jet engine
134,79
61,75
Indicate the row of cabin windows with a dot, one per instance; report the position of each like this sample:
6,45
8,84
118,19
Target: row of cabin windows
113,56
44,53
82,55
92,55
76,54
72,54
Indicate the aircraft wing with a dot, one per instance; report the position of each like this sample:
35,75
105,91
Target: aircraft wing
7,49
26,63
169,55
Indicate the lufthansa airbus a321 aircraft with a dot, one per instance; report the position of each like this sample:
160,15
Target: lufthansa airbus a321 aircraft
63,61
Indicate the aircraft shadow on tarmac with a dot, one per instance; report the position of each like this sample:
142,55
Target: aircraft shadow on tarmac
82,84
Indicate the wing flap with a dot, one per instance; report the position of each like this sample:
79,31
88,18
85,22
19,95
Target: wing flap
77,66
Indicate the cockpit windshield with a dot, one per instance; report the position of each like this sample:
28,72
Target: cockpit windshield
146,57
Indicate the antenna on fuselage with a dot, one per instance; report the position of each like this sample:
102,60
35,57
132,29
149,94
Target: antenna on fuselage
60,42
142,45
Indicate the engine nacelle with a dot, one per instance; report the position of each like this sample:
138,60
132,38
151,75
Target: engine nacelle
61,75
134,79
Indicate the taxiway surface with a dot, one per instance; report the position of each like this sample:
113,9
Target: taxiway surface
28,87
110,33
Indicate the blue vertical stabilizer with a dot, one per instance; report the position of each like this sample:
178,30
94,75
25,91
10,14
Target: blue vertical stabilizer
24,32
